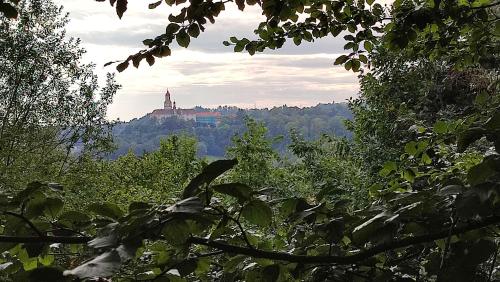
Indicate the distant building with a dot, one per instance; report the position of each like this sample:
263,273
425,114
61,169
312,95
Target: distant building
208,119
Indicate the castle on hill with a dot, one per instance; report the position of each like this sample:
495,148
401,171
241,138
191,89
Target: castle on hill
210,119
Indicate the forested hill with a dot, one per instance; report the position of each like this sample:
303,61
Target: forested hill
144,134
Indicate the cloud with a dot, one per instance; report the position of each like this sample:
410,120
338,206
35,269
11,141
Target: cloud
207,73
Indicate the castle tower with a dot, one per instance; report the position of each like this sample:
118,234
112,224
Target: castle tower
167,105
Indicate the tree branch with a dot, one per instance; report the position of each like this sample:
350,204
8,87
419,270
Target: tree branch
349,259
27,221
44,239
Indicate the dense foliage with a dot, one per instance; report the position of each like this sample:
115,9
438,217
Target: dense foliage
144,134
50,102
415,196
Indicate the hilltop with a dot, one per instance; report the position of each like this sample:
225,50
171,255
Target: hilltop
143,134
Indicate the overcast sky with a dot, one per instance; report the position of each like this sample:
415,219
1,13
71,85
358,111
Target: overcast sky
207,73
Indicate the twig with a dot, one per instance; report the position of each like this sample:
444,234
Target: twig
344,260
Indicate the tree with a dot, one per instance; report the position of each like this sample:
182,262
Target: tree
255,156
443,25
434,212
50,102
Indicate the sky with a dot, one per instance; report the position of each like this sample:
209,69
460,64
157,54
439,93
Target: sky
206,73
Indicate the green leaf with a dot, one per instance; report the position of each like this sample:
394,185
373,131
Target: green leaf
194,30
411,148
258,212
172,28
239,47
466,138
238,190
176,231
106,209
426,159
481,172
441,127
46,260
388,168
74,219
53,207
209,173
341,59
183,38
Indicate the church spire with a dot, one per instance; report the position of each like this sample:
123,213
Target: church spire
168,103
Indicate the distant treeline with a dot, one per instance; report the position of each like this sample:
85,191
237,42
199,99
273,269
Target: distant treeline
144,134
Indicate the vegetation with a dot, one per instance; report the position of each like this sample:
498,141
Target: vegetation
144,134
414,196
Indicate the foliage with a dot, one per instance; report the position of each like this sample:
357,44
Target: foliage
153,177
143,135
468,30
50,102
426,150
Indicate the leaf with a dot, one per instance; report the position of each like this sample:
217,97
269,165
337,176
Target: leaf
154,5
8,10
122,66
340,60
451,190
46,260
239,47
258,212
176,232
106,209
368,46
363,232
356,65
209,173
172,28
121,7
493,123
150,59
147,42
74,219
162,51
466,138
102,266
388,168
194,30
440,127
238,190
183,38
53,207
481,172
426,159
411,148
189,205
